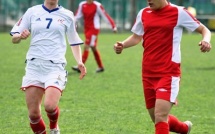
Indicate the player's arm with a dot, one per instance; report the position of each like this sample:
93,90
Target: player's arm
20,30
75,42
107,18
78,13
17,37
206,38
188,21
76,50
132,40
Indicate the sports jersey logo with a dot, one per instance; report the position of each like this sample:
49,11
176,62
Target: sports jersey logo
38,19
148,11
162,90
61,20
19,22
56,82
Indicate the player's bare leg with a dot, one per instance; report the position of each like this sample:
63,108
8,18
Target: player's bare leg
161,112
51,100
34,97
174,124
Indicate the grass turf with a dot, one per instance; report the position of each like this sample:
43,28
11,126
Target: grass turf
111,102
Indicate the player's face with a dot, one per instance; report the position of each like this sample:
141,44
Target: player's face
89,1
52,2
157,4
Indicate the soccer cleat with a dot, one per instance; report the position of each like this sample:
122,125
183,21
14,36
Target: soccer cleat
55,130
99,70
75,68
189,124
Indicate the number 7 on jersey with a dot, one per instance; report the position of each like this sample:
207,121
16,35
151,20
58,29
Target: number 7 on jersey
50,21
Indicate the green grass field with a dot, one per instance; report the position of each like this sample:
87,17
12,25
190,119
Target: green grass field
111,102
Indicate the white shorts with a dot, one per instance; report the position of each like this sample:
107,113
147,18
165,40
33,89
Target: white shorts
44,74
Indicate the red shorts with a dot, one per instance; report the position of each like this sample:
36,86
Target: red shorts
91,37
165,88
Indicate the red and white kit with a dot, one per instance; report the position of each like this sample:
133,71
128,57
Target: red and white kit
91,16
162,31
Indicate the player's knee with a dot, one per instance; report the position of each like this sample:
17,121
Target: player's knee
34,117
49,107
34,112
161,116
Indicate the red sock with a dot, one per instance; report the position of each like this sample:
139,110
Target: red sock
53,118
176,126
98,58
85,56
38,125
161,128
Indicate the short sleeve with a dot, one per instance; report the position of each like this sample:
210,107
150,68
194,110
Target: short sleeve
72,35
187,20
23,23
138,25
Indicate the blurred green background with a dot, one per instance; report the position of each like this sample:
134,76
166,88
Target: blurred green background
123,11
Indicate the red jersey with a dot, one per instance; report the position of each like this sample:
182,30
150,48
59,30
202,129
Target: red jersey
162,31
91,15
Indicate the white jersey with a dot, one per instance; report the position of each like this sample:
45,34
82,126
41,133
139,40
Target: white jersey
48,29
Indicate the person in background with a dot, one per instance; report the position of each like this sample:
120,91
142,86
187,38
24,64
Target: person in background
91,11
45,74
161,71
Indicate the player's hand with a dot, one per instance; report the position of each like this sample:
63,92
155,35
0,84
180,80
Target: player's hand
118,47
83,70
204,46
25,34
115,30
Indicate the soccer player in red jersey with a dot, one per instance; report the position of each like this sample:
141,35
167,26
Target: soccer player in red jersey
160,27
91,11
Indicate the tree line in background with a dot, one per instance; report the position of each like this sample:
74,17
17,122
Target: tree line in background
123,11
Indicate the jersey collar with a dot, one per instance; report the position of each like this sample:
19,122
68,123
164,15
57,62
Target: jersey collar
55,9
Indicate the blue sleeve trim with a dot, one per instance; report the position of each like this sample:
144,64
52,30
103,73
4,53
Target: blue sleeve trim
12,33
76,44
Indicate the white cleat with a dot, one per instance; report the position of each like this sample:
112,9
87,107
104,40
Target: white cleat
189,124
55,131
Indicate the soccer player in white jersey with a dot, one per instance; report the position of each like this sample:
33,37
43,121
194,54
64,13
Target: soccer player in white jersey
91,11
160,27
45,76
